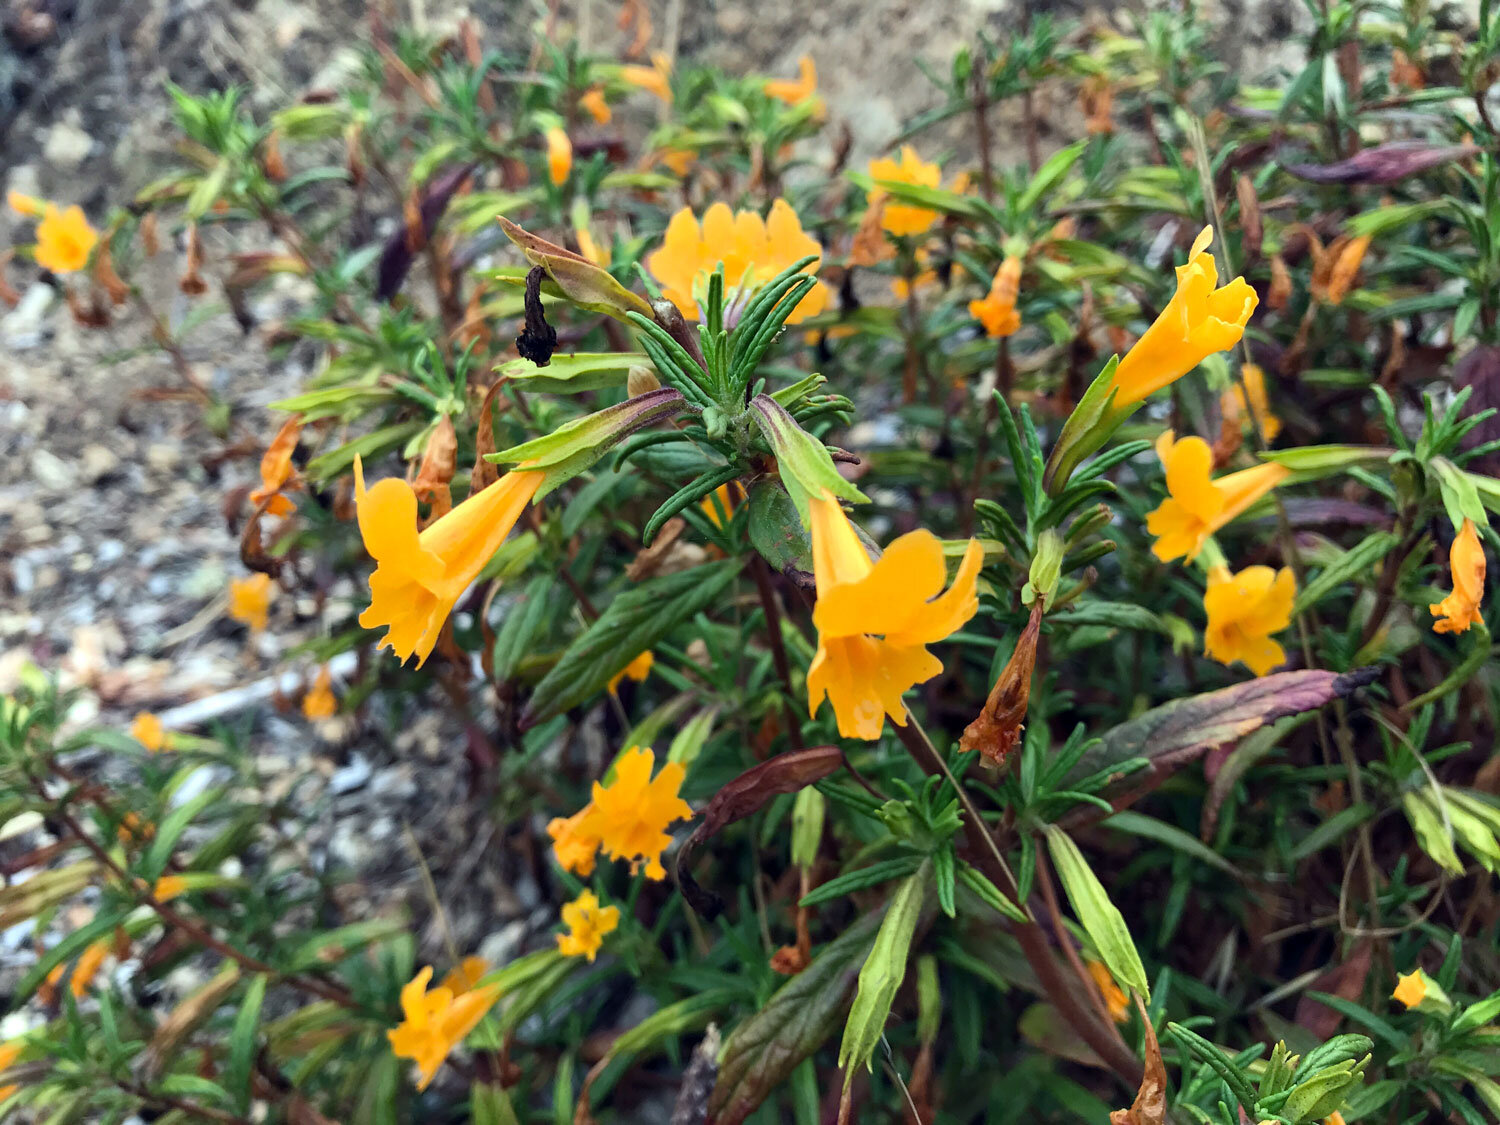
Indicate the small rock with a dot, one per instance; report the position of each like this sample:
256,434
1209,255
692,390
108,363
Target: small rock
51,471
21,328
346,779
162,457
67,144
98,461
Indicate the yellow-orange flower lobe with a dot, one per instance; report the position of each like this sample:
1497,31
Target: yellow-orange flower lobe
632,812
997,311
250,600
1199,505
1460,609
1243,610
587,924
436,1022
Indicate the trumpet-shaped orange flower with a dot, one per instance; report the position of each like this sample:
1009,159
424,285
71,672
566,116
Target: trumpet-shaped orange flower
276,469
419,576
1201,318
656,78
632,812
465,976
1232,403
1460,609
1243,611
1114,996
436,1022
64,238
148,731
587,924
997,311
638,669
598,108
559,155
320,702
575,840
876,619
250,600
589,248
753,250
1199,505
904,218
9,1053
803,87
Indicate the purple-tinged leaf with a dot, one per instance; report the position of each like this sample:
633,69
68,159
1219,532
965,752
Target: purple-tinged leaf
1384,164
398,255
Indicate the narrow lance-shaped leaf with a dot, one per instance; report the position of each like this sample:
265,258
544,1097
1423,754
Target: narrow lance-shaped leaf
884,970
580,281
1100,917
806,468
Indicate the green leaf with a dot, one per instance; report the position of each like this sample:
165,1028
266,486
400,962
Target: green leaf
242,1043
990,894
170,830
526,615
632,623
1113,615
807,470
1353,564
1460,496
800,1016
324,467
776,531
573,374
881,975
1149,828
863,878
1047,176
691,493
489,1104
1330,830
1310,462
932,198
1100,918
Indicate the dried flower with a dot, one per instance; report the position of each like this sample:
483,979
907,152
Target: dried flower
753,252
419,576
587,924
657,78
436,1022
64,238
1096,101
1243,610
250,600
276,470
594,102
1335,269
465,976
1114,996
793,92
575,840
320,702
997,311
1405,73
147,729
1232,403
1201,318
632,812
875,619
1460,609
997,729
1199,505
638,669
904,218
559,155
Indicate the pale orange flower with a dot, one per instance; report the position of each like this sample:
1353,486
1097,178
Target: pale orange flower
593,101
9,1053
638,669
1232,403
1460,609
575,841
168,887
1243,610
465,976
436,1022
320,702
1114,996
250,600
276,469
904,218
587,925
997,311
1199,505
792,92
87,967
64,238
148,731
559,155
656,78
632,812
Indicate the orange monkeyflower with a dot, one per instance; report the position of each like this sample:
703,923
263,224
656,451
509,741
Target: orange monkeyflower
587,924
87,967
64,238
593,101
559,155
1199,505
656,78
632,812
1096,100
679,160
997,311
466,975
1335,269
320,702
250,600
436,1022
148,731
638,669
1418,990
1114,996
753,250
793,92
1232,403
1243,611
276,469
1201,318
419,576
904,218
9,1053
1410,989
133,828
723,499
589,248
876,619
1460,609
168,887
575,840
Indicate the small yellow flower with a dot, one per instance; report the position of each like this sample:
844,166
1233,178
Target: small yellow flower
1114,997
593,101
575,840
1411,989
587,924
64,238
862,673
904,218
465,976
436,1022
753,250
559,155
419,576
1460,609
320,702
276,469
250,600
148,731
1201,318
1232,403
1243,611
168,887
9,1053
656,78
793,92
1199,505
638,669
631,813
997,312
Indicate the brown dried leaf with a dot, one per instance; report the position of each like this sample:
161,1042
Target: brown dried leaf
998,727
1150,1105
